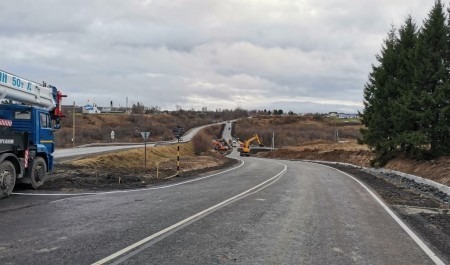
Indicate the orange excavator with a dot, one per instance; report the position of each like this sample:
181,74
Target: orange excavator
219,145
245,150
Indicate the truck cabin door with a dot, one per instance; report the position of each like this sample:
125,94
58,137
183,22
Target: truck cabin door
46,131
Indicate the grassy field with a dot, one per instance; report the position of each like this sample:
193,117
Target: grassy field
134,159
296,130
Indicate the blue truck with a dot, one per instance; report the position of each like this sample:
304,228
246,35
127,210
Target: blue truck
29,114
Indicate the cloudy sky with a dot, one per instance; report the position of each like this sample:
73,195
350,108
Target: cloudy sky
300,55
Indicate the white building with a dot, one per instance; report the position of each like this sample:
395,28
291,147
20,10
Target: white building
91,109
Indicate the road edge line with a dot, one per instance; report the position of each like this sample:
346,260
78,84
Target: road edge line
131,190
182,222
414,237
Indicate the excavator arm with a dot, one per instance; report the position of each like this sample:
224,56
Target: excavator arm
246,148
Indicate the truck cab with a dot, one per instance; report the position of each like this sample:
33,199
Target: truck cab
37,123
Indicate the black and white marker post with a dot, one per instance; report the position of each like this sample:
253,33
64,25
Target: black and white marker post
178,132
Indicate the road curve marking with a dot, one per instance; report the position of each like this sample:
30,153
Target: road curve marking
194,217
416,239
131,190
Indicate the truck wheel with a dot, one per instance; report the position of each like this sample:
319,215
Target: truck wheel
38,172
7,178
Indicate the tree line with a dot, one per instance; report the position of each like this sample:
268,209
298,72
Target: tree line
406,97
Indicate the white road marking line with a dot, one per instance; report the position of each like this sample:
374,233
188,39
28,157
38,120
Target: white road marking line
133,190
195,216
133,253
416,239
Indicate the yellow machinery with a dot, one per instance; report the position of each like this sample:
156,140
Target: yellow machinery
245,151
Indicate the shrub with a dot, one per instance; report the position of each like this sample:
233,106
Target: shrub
201,143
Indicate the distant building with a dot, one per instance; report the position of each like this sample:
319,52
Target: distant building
347,116
332,114
91,109
111,110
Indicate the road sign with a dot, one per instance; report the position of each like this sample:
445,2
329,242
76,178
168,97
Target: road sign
178,132
112,135
145,135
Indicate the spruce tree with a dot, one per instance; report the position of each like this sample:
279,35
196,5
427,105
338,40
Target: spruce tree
379,93
407,96
432,80
405,109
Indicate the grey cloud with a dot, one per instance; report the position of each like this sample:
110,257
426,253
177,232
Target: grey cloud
220,54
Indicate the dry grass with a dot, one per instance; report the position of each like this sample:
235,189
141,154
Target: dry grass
327,146
134,159
295,130
163,157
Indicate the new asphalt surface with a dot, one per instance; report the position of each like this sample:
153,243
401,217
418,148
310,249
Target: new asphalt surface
260,212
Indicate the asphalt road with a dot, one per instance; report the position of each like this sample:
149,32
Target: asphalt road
261,212
226,134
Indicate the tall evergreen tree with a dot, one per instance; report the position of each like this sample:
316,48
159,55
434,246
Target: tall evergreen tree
378,94
407,96
405,109
432,79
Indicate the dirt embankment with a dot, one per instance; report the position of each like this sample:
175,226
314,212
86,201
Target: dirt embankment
350,152
437,170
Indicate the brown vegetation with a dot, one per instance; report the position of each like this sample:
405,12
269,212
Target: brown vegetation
313,138
202,140
96,128
201,143
294,130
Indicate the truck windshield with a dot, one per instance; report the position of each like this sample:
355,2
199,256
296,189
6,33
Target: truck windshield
22,115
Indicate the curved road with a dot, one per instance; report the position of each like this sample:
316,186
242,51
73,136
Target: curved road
260,212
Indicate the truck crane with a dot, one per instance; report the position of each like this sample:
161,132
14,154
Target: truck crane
245,150
29,113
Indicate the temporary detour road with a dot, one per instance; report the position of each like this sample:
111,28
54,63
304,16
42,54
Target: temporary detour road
260,212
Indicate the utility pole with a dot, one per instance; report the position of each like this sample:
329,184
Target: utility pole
336,135
178,158
73,125
273,141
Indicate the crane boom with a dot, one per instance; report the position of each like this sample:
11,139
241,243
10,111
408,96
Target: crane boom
28,92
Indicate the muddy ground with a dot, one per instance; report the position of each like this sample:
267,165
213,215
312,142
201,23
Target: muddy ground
423,209
68,177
